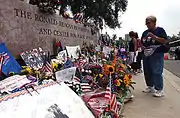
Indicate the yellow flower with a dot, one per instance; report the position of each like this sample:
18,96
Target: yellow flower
118,83
111,69
126,77
123,66
28,69
120,80
54,65
24,67
107,69
101,75
127,80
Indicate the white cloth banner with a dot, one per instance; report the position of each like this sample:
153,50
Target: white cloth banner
13,82
72,51
66,74
56,101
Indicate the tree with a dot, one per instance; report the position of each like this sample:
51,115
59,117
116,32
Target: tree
173,38
178,34
100,11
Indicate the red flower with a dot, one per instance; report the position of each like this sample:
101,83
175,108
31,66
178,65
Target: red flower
115,82
130,76
57,44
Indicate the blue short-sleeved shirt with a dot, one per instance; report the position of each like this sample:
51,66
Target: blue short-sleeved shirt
147,41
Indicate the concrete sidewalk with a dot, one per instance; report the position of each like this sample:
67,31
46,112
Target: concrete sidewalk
146,106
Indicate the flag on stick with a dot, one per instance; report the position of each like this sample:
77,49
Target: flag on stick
47,67
1,63
111,97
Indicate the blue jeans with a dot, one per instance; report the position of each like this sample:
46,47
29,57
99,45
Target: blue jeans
153,68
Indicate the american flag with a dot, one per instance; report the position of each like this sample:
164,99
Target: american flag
111,97
76,79
47,67
5,56
79,64
78,18
113,104
1,63
76,64
85,87
108,91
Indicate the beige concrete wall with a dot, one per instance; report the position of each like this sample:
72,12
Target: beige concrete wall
23,27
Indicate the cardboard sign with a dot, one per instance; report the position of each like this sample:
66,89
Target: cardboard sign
55,101
13,82
73,51
66,74
33,58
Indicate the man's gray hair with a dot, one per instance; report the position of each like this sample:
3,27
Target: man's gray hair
152,18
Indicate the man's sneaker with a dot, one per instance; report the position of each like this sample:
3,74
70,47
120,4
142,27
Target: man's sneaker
149,90
158,93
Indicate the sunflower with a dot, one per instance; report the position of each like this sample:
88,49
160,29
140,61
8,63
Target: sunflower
108,69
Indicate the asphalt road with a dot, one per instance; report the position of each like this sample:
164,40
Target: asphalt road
173,66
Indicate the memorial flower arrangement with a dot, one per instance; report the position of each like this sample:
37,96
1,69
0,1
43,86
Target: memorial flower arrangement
121,78
29,71
39,74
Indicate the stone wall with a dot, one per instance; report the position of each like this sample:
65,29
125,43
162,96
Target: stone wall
23,27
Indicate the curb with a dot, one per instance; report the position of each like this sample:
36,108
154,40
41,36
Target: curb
173,79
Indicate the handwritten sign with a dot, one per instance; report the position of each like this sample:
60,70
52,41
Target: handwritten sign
53,101
73,51
13,82
66,74
62,55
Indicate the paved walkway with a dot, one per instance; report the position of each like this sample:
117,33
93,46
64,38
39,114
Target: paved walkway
146,106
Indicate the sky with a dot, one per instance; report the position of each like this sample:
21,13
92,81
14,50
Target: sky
167,13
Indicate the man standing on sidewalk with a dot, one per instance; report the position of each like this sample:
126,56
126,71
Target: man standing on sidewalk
154,40
140,52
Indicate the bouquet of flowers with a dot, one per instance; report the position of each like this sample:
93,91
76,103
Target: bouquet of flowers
122,80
